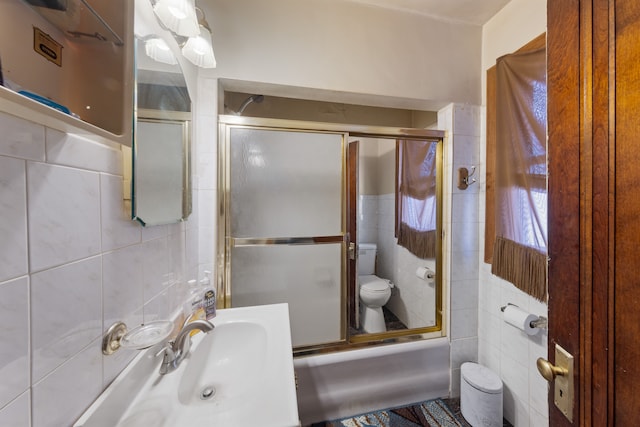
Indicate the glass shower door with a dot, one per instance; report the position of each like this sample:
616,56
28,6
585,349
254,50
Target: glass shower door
285,224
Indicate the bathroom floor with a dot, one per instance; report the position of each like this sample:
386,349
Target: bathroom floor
390,320
454,406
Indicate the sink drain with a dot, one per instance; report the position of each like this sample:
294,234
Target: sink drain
207,392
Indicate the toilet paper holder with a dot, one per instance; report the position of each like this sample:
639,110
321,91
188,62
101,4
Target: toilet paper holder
425,273
540,323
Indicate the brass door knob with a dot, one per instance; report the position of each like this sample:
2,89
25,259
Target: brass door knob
548,370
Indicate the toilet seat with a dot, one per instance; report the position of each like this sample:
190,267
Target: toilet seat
372,283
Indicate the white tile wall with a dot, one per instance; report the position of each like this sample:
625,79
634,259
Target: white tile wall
17,413
71,262
122,290
205,179
117,228
155,267
21,138
368,220
58,196
14,335
61,396
477,295
78,151
511,353
13,211
462,124
57,335
504,349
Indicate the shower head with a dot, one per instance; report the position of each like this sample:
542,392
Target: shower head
253,98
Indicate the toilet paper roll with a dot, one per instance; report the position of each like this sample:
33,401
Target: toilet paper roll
519,318
425,273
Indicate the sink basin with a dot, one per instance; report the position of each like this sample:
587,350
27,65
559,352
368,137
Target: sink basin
239,374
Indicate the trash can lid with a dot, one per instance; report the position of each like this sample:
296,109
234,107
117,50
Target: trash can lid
481,378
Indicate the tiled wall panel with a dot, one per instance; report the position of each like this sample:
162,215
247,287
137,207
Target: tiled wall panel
462,124
71,262
504,349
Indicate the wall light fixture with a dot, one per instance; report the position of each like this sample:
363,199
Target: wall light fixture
199,49
178,16
158,50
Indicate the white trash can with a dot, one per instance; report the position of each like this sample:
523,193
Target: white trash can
480,395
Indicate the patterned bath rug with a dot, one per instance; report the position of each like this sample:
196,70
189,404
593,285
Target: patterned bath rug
432,413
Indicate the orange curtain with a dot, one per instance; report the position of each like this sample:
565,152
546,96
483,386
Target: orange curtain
416,197
520,251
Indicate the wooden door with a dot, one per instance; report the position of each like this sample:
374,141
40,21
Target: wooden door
594,211
625,146
563,124
352,231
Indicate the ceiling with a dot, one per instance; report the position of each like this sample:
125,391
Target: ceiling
476,12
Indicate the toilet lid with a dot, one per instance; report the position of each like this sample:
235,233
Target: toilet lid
481,378
372,283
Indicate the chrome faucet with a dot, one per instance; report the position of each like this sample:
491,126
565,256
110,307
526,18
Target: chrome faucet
175,351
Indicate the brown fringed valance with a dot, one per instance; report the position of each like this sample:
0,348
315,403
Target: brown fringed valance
420,243
416,197
523,266
519,253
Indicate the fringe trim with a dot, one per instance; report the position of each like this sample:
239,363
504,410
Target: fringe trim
420,243
521,265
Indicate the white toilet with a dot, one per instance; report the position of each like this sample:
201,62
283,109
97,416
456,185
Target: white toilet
373,291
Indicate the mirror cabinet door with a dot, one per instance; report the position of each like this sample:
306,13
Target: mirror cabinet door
161,175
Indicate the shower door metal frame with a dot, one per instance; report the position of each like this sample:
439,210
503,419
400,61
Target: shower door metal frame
225,243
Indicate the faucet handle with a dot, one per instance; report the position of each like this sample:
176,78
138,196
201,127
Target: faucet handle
163,350
168,357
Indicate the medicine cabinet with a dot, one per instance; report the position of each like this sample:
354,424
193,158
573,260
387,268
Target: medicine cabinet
73,55
161,166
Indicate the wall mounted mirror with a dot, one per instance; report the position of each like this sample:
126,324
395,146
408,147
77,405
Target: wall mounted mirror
161,181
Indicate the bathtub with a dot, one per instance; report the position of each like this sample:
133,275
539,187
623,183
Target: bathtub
336,385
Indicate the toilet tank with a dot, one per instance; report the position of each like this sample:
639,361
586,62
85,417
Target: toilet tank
366,258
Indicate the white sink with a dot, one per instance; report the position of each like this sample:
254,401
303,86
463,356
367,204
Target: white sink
245,363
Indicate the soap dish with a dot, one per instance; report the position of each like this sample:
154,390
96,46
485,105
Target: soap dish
147,335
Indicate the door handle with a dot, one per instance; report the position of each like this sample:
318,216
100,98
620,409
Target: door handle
562,377
548,370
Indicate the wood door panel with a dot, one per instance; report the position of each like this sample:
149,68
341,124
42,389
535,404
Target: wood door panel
563,113
627,212
594,209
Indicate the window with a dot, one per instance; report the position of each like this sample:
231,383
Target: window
516,227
